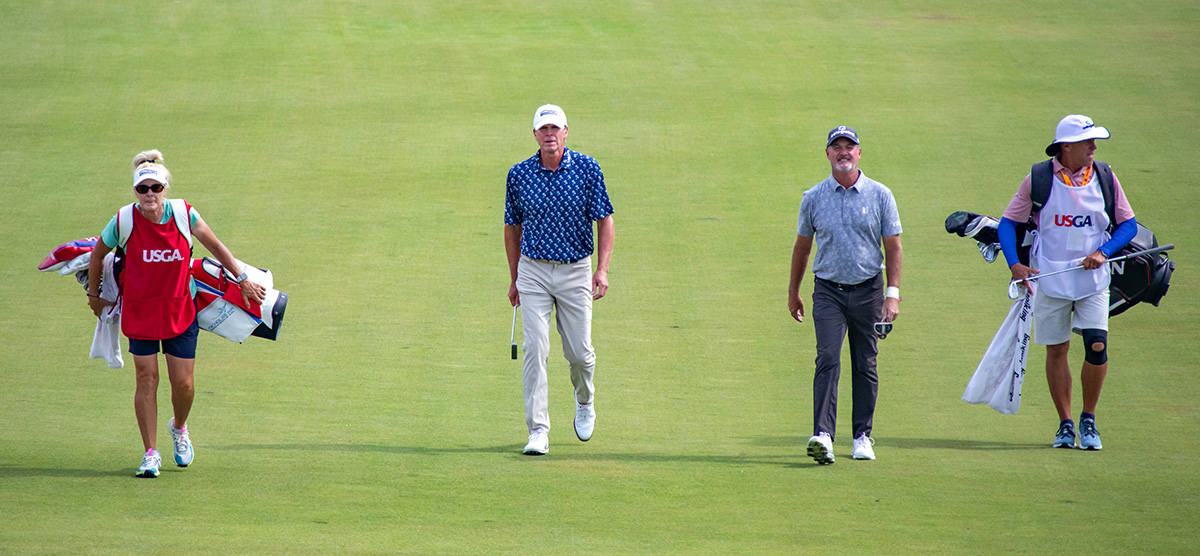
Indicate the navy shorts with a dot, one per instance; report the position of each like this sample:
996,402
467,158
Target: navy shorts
182,346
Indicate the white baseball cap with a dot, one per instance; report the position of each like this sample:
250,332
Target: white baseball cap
156,173
1075,128
549,114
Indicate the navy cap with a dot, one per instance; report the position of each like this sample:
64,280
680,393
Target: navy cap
842,131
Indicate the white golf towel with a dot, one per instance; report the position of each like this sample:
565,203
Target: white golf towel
106,342
998,378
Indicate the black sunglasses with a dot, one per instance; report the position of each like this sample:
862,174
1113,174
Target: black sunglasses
157,188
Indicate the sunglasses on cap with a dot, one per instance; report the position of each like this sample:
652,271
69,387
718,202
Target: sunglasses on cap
157,188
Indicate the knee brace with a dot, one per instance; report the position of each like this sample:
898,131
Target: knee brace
1095,346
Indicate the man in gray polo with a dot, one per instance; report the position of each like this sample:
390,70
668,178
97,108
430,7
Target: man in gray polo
850,216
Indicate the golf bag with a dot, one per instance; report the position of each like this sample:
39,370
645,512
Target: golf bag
221,310
219,304
1143,278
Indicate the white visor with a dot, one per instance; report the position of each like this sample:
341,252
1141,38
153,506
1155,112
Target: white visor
155,173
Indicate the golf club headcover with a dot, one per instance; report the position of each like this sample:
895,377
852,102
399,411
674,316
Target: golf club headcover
1092,337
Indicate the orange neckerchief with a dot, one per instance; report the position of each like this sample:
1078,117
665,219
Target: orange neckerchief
1086,174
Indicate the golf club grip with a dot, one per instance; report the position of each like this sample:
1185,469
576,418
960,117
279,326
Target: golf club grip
514,351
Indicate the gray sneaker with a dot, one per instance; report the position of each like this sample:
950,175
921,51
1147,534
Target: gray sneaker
1066,435
1089,437
820,448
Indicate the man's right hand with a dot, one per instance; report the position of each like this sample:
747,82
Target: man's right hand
1020,272
514,297
796,307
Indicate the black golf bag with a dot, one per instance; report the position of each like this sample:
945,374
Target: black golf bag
1143,278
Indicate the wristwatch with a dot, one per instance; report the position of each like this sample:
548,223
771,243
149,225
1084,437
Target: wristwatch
239,279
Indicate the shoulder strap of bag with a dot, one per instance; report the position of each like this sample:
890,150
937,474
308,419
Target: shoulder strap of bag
124,224
1041,176
183,220
1104,174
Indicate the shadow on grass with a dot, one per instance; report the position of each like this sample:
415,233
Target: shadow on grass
790,460
418,450
14,472
906,443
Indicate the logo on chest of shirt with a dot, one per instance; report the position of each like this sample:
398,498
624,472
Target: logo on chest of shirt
161,255
1069,221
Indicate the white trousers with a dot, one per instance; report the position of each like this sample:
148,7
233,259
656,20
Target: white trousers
566,289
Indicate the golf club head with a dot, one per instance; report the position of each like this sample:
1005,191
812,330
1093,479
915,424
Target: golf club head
1014,289
882,329
514,351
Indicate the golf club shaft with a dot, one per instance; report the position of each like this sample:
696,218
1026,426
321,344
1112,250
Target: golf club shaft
1167,247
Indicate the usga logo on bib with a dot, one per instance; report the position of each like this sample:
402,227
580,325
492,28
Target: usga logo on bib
161,255
1068,221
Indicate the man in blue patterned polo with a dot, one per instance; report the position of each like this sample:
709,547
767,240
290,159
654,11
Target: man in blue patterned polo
850,216
550,202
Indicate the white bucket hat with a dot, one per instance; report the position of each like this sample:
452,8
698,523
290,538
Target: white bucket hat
1075,128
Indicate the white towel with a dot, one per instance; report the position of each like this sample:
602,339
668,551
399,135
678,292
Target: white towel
106,342
998,378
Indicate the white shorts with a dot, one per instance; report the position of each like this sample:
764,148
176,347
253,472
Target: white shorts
1052,317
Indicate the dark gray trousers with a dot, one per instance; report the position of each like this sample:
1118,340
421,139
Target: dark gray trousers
837,314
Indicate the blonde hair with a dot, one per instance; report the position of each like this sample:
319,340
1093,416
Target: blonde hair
154,158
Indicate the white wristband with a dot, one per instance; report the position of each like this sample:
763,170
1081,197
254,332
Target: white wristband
892,291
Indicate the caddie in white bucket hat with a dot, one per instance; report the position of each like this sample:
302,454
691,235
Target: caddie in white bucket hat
1083,217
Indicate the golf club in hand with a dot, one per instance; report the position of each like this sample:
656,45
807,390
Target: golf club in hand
1014,289
513,336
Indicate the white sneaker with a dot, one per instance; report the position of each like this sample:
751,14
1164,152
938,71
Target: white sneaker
150,463
183,444
820,448
539,444
585,420
862,447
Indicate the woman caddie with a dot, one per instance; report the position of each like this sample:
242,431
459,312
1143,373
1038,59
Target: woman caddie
158,298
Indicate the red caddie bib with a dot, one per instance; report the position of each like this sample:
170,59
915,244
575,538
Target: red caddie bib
156,282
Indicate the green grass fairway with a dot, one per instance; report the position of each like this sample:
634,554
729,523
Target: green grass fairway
358,149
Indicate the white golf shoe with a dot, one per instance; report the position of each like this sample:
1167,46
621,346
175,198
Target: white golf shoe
862,447
820,448
539,444
585,420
